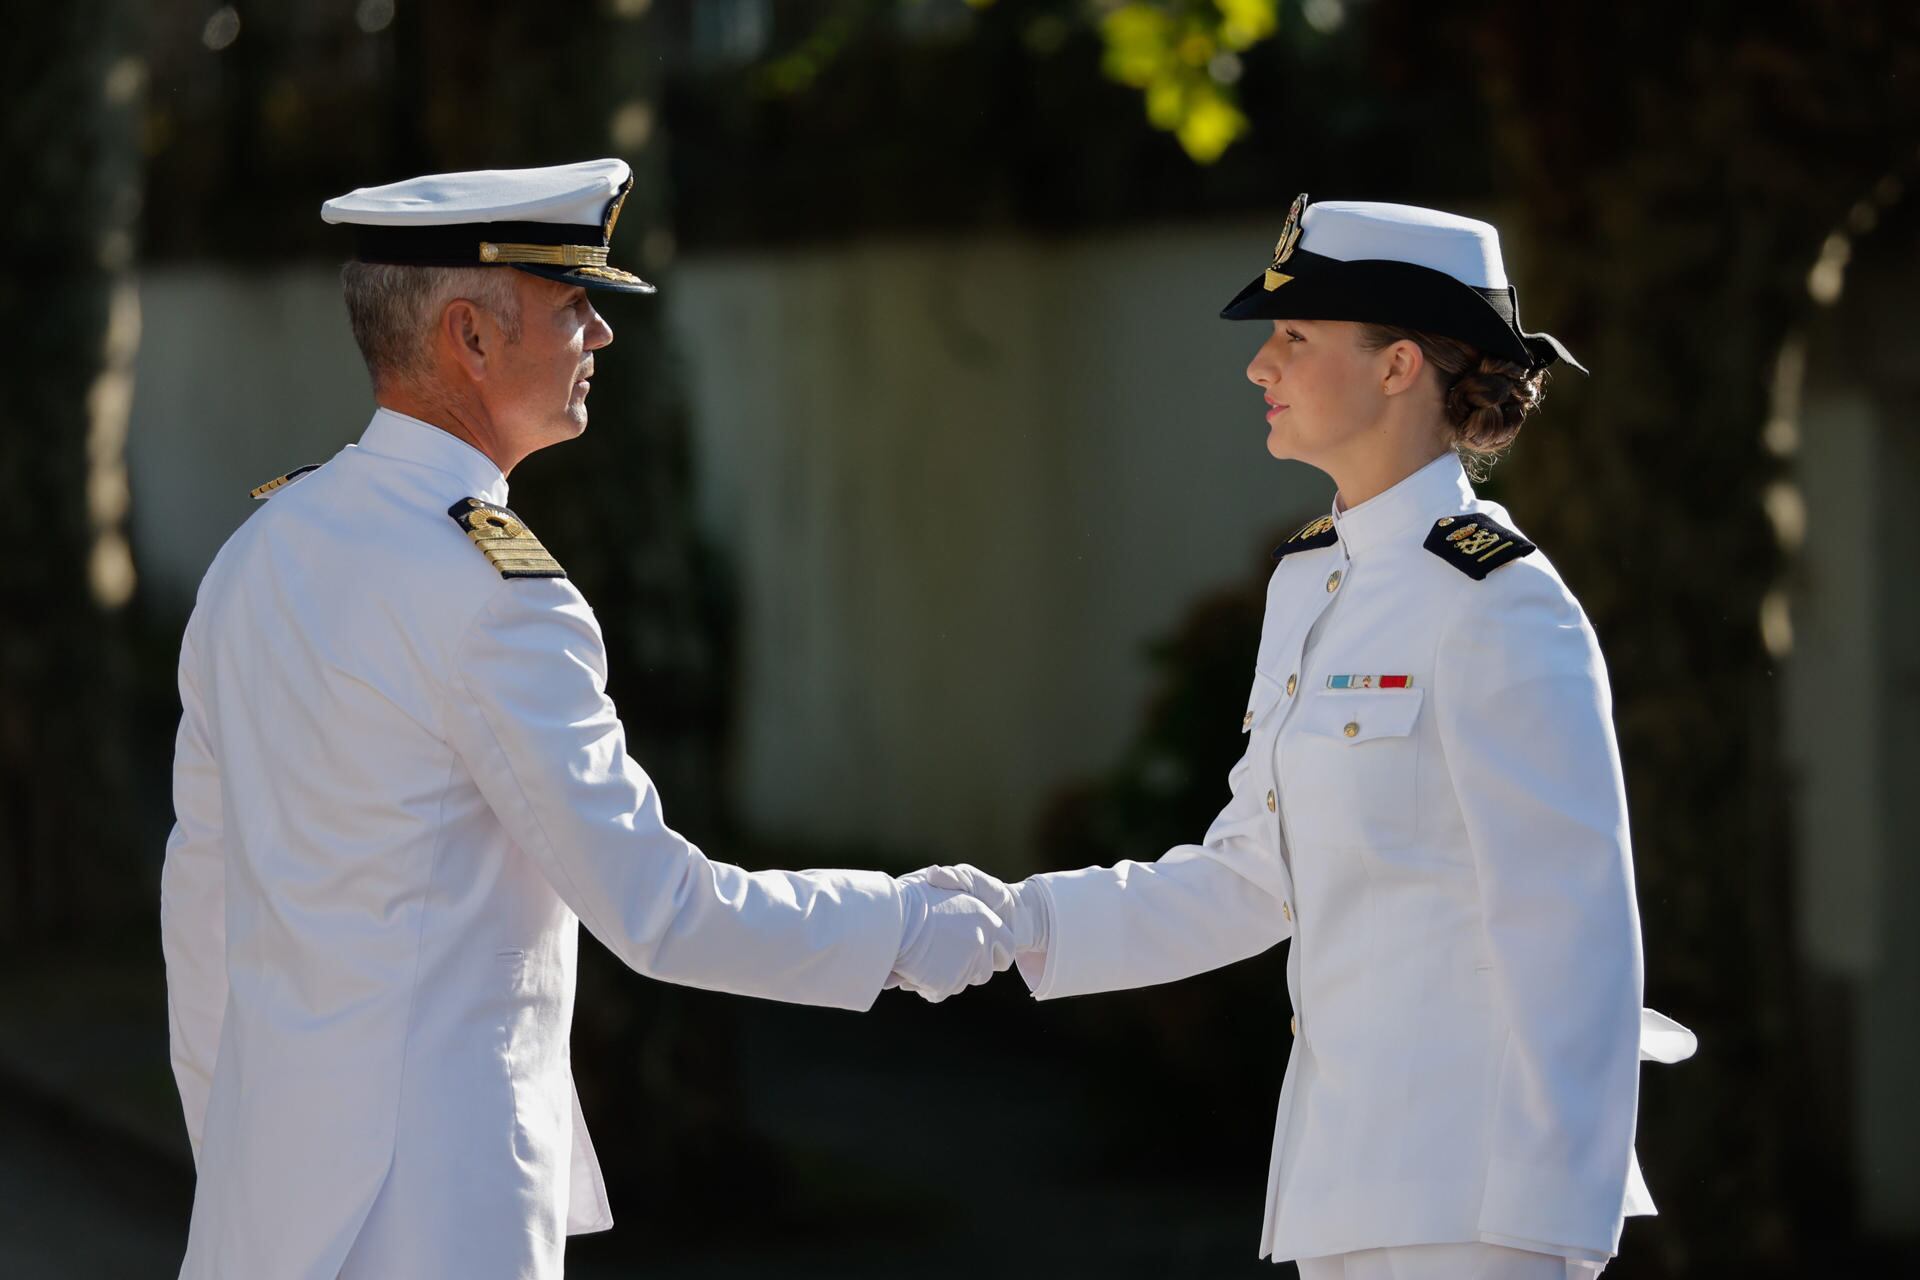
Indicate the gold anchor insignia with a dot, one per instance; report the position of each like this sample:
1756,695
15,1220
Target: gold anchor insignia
1289,237
1473,540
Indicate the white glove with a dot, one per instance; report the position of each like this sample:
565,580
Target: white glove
1022,905
950,941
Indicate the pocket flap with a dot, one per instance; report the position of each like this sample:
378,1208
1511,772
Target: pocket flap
1261,701
1361,715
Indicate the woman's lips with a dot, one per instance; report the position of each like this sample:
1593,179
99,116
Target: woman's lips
1276,410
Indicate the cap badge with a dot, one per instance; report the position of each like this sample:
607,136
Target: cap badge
613,210
1289,237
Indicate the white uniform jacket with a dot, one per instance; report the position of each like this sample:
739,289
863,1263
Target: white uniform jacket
399,787
1449,854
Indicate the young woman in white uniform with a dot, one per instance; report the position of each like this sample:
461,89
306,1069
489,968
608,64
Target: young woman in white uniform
1430,803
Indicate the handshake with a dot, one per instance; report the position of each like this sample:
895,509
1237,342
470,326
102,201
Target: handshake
962,926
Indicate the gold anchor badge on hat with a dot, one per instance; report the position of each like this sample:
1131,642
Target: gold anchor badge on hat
1289,237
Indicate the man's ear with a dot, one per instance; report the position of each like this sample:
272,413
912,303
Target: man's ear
463,337
1403,362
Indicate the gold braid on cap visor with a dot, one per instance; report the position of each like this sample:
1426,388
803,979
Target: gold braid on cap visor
550,255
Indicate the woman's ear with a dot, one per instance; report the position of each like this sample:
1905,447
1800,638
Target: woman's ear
1401,366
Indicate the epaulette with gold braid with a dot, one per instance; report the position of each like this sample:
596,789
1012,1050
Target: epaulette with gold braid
1313,534
260,491
1475,545
505,540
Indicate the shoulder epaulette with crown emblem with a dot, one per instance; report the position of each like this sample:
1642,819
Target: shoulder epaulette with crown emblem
1475,545
1313,534
505,540
260,491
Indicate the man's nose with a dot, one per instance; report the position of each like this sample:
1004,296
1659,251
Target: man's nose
599,332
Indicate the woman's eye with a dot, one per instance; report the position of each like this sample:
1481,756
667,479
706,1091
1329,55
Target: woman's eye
1293,335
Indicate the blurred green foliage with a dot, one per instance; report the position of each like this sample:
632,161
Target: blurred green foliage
1183,55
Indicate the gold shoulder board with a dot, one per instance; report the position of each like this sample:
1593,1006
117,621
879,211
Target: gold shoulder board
260,491
507,543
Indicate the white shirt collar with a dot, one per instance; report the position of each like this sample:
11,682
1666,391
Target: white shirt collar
1437,489
395,435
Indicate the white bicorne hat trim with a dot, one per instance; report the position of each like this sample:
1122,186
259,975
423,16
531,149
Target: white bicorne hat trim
570,194
1352,230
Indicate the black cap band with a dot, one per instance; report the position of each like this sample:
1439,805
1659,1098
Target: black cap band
458,245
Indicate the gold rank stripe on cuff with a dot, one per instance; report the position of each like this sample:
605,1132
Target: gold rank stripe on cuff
504,539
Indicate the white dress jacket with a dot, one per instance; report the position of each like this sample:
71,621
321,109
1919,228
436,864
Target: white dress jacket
1430,805
399,787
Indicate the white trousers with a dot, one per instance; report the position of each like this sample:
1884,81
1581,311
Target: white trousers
1447,1262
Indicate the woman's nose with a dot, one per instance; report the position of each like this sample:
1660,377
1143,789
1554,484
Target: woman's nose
1260,369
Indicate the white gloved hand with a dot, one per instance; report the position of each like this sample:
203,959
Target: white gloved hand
950,941
1022,905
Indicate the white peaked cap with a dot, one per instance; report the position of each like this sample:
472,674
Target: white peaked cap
555,222
569,194
1351,230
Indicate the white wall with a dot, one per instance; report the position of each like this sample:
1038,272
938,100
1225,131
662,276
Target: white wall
241,376
963,482
1852,694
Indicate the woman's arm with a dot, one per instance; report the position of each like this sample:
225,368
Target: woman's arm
1198,907
1525,720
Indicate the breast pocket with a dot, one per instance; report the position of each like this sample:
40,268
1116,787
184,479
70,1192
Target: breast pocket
1257,724
1249,813
1350,764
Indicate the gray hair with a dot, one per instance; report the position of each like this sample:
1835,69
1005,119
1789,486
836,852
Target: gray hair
393,309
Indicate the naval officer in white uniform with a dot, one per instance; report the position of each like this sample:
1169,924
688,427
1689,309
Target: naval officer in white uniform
1430,803
400,787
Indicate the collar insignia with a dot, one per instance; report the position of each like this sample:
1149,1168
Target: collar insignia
1475,545
1313,534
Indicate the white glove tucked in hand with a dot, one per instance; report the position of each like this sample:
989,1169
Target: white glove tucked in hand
950,941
